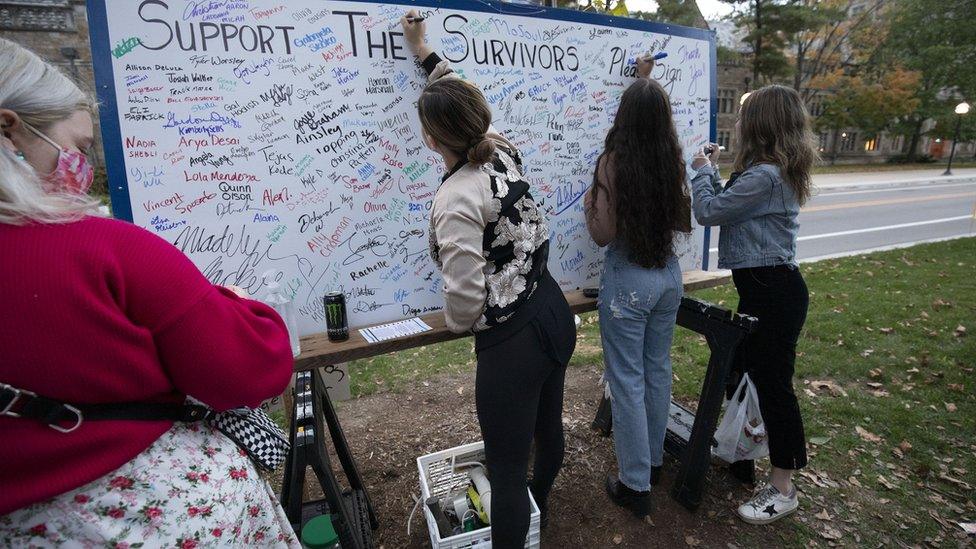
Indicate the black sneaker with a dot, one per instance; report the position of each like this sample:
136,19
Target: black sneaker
656,474
639,503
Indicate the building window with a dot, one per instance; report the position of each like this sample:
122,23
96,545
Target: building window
871,144
726,101
725,139
822,141
847,141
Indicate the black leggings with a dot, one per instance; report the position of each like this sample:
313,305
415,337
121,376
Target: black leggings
778,297
519,396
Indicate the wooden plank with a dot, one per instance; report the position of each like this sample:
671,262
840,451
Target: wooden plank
318,351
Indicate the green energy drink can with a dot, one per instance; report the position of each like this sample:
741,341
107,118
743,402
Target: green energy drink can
336,323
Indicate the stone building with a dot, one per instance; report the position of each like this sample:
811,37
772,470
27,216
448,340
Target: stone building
57,30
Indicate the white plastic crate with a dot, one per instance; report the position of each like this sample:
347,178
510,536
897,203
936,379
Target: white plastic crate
436,479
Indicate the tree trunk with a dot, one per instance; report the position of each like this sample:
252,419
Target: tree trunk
916,136
757,49
798,73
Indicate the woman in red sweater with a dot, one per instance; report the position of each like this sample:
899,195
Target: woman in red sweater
94,311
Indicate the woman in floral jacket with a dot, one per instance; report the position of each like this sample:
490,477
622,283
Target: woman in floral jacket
491,243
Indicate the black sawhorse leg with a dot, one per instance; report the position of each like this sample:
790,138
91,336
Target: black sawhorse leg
723,331
353,510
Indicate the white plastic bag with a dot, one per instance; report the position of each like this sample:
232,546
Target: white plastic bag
742,433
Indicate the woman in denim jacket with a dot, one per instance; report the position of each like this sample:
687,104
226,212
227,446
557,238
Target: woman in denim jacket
757,210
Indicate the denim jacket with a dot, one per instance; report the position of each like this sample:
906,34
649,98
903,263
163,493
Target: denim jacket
757,212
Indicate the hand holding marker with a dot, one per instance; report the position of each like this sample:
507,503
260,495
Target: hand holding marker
645,63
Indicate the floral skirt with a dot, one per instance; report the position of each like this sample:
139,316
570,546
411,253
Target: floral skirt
192,488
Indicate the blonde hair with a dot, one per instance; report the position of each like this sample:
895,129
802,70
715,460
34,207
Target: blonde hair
774,128
454,113
41,95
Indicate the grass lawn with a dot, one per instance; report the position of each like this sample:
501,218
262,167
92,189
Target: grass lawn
857,168
885,377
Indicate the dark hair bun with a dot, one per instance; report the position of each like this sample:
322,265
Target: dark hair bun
481,151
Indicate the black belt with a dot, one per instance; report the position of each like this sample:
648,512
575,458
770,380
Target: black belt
66,417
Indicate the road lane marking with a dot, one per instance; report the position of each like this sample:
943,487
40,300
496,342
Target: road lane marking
885,248
885,202
875,229
827,194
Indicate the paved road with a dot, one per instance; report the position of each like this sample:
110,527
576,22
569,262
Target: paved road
854,213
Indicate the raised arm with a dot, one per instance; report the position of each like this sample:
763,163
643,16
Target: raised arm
415,33
733,204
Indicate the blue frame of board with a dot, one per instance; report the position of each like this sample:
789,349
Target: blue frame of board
112,132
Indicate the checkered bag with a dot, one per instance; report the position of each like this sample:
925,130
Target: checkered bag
256,434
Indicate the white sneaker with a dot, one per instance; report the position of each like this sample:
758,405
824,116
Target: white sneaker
768,505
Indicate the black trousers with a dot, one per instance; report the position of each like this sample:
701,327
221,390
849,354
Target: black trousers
778,297
519,396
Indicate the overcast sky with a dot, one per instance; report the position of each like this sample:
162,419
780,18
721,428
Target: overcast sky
711,9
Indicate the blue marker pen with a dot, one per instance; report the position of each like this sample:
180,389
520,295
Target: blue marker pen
655,57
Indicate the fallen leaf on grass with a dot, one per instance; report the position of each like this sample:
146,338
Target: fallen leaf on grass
868,436
968,527
887,330
875,385
692,541
950,407
867,352
819,441
831,386
945,524
957,387
820,479
959,331
823,515
960,483
460,390
886,483
875,373
831,533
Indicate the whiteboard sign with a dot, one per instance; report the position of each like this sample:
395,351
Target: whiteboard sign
259,134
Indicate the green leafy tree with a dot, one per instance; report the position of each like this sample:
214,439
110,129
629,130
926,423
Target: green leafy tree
935,39
768,25
872,103
828,35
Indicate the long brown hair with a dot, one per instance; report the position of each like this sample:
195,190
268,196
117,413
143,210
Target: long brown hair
454,113
774,128
650,193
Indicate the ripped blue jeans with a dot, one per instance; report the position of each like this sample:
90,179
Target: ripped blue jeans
638,308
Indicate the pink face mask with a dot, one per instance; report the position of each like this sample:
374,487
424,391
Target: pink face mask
73,173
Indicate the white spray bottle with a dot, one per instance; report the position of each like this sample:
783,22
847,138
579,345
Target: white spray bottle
284,306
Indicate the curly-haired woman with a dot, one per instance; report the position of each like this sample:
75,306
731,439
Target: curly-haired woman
637,205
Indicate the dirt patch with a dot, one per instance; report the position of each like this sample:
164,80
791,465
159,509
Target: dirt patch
389,431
